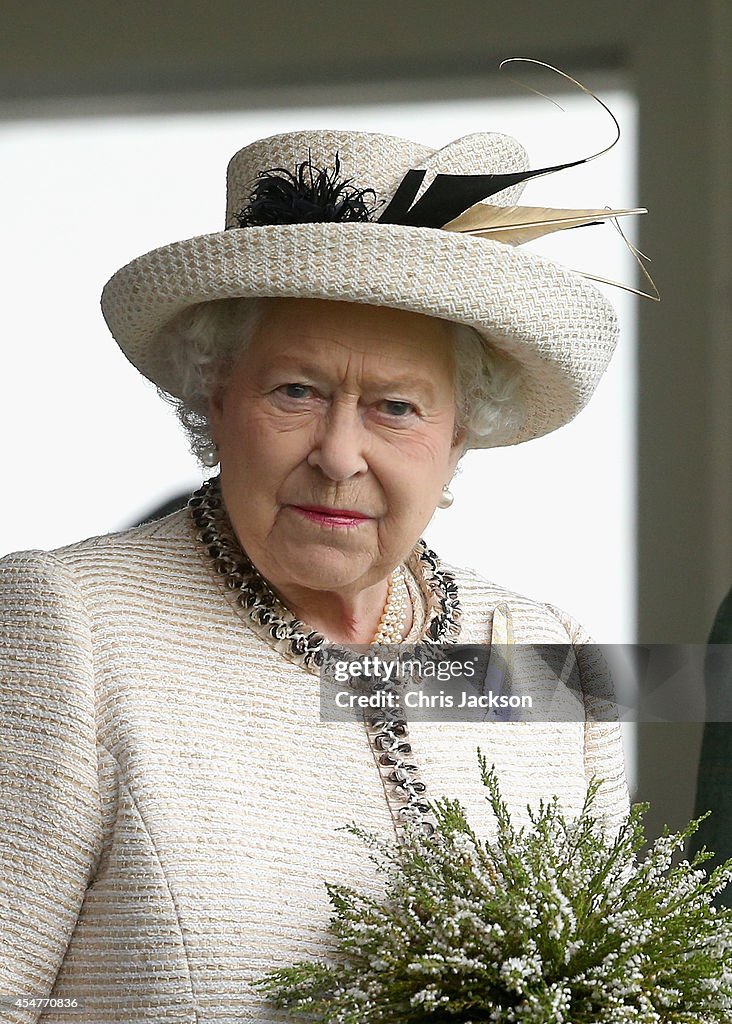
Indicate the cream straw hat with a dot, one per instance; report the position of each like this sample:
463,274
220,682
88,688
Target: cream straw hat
412,252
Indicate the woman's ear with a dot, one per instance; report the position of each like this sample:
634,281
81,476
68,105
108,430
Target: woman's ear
215,412
457,449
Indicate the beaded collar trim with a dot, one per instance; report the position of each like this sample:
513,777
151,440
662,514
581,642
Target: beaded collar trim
271,620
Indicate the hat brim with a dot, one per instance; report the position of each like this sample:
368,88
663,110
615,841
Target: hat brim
556,324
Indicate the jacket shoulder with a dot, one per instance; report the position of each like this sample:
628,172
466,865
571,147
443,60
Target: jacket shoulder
128,556
175,528
528,619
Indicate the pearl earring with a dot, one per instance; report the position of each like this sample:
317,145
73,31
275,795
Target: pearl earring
447,498
210,456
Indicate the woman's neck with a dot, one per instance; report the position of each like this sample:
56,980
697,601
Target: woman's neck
343,618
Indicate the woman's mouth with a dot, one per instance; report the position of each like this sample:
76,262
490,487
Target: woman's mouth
330,516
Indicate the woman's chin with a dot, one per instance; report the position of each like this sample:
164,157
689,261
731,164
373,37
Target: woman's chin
323,566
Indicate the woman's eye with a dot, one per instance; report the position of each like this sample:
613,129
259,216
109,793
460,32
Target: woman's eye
297,390
393,407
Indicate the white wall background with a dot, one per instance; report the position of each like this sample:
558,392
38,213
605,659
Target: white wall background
90,448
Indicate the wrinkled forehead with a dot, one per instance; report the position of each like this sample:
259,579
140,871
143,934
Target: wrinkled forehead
333,338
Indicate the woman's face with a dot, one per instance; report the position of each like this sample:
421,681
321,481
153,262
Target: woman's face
335,433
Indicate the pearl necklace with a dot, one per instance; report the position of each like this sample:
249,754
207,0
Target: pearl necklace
393,617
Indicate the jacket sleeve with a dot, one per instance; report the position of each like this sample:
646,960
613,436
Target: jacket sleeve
604,756
50,813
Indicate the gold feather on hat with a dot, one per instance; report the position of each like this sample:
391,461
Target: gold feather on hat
515,225
456,202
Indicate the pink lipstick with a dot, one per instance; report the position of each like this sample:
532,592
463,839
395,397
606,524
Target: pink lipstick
330,516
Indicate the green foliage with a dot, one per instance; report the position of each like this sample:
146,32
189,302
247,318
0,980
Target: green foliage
553,924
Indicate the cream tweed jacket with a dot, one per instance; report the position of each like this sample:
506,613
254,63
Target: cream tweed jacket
170,797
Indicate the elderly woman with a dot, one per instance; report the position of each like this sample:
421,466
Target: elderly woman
171,796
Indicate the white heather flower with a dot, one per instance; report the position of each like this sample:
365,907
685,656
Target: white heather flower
461,947
429,996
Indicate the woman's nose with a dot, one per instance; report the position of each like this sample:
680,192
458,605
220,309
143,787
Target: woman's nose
339,449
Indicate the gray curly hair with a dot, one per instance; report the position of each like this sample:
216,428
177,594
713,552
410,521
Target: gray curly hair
200,345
